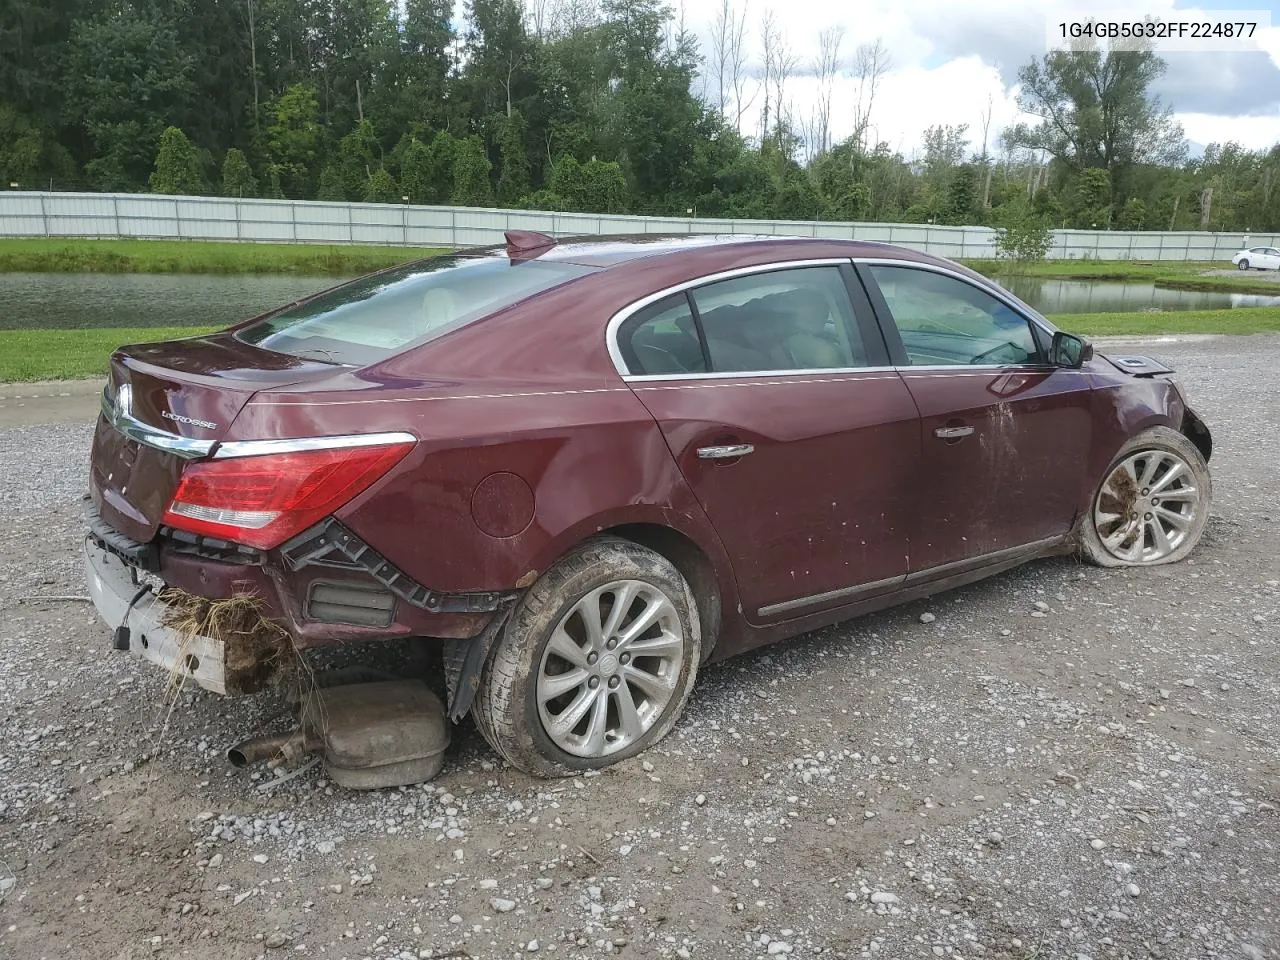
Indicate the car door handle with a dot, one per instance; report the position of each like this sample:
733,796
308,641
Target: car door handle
952,433
726,452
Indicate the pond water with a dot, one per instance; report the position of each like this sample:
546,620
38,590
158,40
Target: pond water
1090,296
70,300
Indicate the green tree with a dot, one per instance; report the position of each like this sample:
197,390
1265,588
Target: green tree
471,186
513,178
358,154
415,170
331,186
1022,235
293,138
961,197
438,166
126,79
177,165
1089,207
381,188
1133,216
27,153
1097,111
237,176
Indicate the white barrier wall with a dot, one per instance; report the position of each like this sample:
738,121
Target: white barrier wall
37,214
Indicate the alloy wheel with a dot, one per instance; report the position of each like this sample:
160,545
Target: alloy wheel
1147,506
610,668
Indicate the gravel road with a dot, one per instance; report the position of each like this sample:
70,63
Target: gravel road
1063,762
1266,276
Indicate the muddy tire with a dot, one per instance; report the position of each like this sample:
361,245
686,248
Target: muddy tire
596,663
1151,505
1242,265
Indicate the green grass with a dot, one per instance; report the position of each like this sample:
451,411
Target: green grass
71,354
1243,321
195,256
1172,275
75,354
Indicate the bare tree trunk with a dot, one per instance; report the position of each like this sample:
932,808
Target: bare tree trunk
1206,207
871,62
1174,217
253,57
359,101
784,64
738,67
826,67
719,61
768,41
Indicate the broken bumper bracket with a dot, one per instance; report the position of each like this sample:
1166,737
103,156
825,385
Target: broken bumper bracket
330,541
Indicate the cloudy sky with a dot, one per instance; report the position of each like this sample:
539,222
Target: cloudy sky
948,57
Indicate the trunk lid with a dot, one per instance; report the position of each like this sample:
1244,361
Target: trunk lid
166,403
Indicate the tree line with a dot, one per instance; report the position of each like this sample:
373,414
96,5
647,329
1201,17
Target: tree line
605,106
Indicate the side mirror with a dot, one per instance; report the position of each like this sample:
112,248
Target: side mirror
1069,351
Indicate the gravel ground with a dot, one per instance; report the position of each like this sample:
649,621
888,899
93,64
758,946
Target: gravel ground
1266,276
1063,762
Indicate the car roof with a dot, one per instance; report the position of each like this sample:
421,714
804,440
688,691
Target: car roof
604,251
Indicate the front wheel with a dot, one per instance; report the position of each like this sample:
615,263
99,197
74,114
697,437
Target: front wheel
1152,505
595,665
1243,265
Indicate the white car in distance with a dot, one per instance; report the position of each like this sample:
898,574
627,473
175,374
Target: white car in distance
1257,258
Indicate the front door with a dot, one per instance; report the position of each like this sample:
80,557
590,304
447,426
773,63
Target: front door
1005,436
803,458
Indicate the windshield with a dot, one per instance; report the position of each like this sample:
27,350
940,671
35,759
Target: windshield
372,318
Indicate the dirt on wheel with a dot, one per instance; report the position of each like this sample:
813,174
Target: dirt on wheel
1061,761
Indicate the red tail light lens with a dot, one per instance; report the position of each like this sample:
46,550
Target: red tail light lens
261,501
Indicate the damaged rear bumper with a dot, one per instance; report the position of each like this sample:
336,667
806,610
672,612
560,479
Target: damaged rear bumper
325,586
121,601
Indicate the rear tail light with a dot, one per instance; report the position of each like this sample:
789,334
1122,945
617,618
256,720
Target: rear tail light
262,500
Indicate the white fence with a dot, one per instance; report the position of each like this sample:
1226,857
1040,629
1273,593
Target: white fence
37,214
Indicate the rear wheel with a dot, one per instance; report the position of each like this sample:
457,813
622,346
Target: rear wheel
1152,505
1243,265
596,664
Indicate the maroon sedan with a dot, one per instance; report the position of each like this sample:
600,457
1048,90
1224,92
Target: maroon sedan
587,466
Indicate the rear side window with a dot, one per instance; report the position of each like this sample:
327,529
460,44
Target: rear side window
795,319
372,318
662,339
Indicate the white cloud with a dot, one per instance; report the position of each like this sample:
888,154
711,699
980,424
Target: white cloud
947,59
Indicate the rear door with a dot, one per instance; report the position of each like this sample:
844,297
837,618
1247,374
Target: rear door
1005,436
775,398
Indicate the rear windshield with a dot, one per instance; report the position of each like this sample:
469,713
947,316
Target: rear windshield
370,319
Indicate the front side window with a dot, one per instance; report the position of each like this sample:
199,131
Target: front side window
795,319
943,320
377,316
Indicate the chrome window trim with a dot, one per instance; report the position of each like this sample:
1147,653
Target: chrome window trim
990,288
259,448
753,374
611,330
120,416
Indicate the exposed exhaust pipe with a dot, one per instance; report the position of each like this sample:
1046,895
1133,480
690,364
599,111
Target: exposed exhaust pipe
284,746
